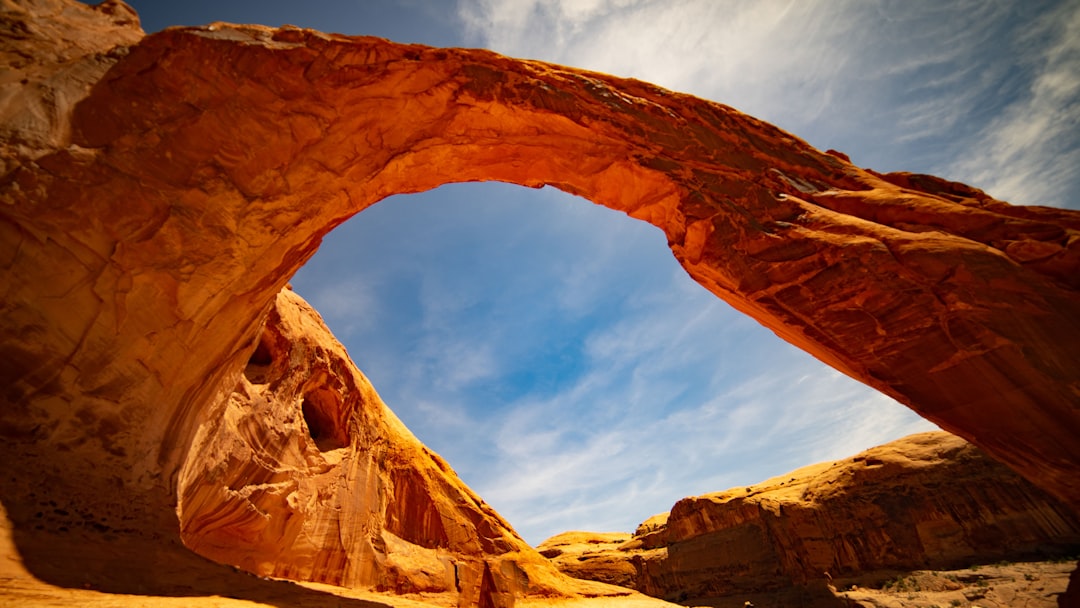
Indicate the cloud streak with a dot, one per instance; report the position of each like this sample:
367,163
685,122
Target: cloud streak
774,421
1030,152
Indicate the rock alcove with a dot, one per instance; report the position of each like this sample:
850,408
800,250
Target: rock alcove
159,191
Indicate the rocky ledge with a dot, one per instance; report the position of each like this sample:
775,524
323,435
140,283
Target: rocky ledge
931,501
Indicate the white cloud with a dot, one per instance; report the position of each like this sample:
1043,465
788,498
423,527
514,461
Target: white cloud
754,55
622,470
453,365
899,86
349,304
1030,153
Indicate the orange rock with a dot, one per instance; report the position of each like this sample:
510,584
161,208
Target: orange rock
928,501
157,193
307,475
594,556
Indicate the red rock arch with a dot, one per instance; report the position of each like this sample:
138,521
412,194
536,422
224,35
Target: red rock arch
147,233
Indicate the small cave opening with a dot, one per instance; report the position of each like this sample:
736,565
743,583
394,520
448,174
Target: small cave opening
258,367
320,407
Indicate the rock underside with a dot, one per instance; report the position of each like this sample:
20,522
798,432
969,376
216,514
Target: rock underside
157,192
930,501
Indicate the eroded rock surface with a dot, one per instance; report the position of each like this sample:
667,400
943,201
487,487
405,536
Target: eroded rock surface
930,501
158,192
306,475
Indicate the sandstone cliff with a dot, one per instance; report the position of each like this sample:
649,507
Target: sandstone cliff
157,192
928,501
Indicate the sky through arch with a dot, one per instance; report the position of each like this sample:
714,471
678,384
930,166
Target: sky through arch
557,355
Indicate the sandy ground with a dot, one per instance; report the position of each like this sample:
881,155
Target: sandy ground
182,579
208,585
22,593
1012,585
1005,585
27,592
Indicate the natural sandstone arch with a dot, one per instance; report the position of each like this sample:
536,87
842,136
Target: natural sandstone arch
148,227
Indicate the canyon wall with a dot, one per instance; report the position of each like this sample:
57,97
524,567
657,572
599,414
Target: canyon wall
157,192
930,501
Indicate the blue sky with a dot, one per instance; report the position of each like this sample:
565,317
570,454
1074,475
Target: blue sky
552,350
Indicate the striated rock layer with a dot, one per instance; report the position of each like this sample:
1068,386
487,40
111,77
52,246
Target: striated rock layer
157,192
928,501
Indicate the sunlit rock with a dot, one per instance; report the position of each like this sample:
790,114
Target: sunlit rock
157,193
306,475
929,501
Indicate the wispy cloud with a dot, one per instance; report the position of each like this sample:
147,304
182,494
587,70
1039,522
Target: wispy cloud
681,397
979,91
1030,152
550,474
350,304
707,47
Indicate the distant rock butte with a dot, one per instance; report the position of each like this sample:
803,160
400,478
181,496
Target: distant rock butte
157,192
929,501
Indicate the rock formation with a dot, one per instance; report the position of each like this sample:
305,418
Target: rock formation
928,501
306,475
157,192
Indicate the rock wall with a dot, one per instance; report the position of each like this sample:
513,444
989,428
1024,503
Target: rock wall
928,501
157,193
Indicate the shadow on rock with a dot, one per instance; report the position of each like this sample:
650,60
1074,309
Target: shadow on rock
61,544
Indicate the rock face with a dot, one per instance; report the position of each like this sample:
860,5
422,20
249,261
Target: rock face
306,475
928,501
158,192
596,556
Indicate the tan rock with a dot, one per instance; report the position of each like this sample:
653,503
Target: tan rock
157,193
593,556
306,475
928,501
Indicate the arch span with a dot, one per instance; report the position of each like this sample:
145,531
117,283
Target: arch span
148,228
